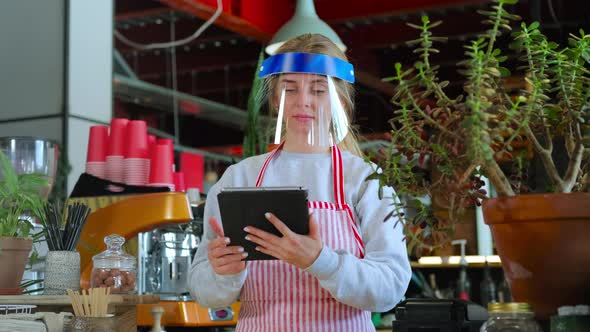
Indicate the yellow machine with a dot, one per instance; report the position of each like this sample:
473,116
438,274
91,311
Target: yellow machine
128,216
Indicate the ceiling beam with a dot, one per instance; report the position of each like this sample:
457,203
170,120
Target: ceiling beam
348,10
135,14
199,60
384,35
226,20
153,32
128,9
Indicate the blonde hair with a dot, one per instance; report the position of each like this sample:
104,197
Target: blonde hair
316,43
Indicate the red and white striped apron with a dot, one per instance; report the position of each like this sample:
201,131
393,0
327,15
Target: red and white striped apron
281,297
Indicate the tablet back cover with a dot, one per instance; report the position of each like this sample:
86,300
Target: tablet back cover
241,207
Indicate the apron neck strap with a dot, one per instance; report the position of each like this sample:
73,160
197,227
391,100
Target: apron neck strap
338,175
266,162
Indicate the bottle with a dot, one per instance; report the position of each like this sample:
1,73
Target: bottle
463,290
510,317
436,293
504,294
487,287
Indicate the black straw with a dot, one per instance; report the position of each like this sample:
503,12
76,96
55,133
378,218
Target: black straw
66,239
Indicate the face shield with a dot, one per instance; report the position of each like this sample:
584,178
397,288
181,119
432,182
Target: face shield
305,94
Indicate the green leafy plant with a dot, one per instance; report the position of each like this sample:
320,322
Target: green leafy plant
441,145
255,140
19,200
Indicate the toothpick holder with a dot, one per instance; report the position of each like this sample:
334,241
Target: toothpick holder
91,324
62,271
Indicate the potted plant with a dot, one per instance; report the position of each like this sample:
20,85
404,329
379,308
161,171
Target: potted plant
20,199
443,145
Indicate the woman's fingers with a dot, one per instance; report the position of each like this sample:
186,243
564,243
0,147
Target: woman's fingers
296,249
217,252
228,259
216,226
258,233
260,241
219,242
278,224
268,237
269,252
223,258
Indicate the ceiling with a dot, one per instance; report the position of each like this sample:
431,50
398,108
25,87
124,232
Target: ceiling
220,64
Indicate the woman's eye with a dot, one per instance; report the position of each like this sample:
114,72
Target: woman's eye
290,90
318,92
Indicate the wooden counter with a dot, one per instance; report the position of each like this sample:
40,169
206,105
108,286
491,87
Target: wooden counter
123,306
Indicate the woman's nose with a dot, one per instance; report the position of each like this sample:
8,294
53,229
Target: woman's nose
303,99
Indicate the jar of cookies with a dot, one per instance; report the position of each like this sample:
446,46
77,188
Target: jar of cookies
114,268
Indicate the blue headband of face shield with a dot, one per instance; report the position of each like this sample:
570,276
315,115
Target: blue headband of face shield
311,63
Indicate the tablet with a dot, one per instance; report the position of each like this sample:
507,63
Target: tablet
246,206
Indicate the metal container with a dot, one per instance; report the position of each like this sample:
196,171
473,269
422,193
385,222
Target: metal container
165,256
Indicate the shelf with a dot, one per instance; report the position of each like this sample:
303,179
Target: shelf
64,300
450,265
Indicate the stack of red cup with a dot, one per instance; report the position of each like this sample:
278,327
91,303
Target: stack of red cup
170,144
98,141
116,151
136,163
179,184
161,163
152,141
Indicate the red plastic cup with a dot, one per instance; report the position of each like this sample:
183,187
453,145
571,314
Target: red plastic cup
151,140
98,142
136,171
137,140
161,165
179,181
115,169
117,137
96,168
170,143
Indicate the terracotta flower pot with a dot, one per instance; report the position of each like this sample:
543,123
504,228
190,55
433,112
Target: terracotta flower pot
542,240
14,253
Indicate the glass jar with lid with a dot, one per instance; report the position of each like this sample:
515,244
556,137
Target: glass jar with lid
114,268
510,317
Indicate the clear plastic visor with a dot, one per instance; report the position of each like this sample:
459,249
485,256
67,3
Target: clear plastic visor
308,110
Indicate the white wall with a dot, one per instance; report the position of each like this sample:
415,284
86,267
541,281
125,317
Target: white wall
90,72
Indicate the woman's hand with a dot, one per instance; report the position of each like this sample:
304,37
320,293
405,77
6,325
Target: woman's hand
298,250
223,258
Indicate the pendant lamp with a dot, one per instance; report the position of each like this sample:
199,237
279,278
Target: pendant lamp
305,20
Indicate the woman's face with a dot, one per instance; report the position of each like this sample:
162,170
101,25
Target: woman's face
306,104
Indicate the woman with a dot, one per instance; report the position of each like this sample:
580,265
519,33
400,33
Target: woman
351,262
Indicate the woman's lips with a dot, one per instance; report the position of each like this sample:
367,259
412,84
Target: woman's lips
303,117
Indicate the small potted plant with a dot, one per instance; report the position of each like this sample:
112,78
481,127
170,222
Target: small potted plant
442,146
20,201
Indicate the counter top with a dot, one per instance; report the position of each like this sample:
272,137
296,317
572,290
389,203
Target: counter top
58,300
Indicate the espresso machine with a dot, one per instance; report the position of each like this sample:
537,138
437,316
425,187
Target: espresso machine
164,260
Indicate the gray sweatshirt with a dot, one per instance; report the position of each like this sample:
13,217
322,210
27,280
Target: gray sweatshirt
376,282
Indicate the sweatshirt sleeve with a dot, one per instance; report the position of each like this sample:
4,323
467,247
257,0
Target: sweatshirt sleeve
207,287
378,281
